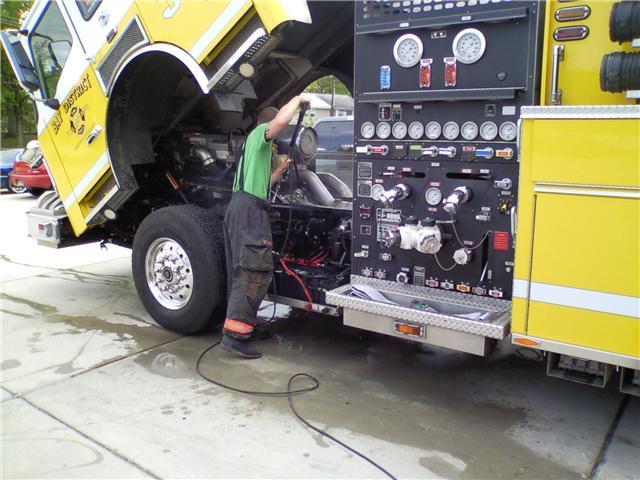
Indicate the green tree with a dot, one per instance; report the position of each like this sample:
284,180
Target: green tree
325,85
16,109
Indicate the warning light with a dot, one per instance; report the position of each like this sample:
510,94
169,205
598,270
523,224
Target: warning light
450,72
425,72
526,341
408,329
501,241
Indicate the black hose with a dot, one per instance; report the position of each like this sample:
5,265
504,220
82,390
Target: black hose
624,21
289,393
620,71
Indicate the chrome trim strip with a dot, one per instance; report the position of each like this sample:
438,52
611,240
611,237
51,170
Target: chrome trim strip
587,353
632,193
582,112
257,33
102,203
580,298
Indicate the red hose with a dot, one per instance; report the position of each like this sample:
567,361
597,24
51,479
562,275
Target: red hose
293,274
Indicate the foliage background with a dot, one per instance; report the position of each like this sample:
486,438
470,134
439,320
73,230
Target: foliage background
17,113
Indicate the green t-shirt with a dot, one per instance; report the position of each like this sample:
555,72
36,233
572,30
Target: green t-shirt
257,164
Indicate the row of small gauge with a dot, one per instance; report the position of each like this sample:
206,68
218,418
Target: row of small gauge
451,130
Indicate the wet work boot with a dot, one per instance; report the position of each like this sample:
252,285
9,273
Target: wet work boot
240,347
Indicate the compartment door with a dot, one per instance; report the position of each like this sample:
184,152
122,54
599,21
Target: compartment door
585,277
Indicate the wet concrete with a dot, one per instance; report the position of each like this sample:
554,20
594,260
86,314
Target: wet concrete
79,349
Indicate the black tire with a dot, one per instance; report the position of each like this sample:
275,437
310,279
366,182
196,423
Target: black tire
36,192
201,238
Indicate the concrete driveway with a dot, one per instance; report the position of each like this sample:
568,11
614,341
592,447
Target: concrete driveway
92,388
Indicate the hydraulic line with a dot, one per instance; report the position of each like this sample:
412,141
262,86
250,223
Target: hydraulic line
289,393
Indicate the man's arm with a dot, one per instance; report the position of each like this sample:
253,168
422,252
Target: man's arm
277,172
284,116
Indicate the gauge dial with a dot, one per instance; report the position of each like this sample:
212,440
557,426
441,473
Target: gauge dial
433,196
376,191
469,45
488,130
451,130
383,130
399,130
416,130
367,130
508,131
407,50
434,130
469,130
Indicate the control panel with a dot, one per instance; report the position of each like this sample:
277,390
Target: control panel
438,90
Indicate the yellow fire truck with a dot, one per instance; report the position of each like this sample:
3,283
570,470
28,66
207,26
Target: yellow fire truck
496,161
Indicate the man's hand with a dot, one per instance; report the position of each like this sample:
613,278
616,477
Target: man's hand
280,170
284,116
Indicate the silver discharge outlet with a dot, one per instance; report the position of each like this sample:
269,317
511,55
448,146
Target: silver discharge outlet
399,192
456,198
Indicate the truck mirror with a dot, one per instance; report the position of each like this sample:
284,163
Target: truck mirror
22,67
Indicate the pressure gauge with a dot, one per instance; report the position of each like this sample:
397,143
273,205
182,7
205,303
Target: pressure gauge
416,130
376,192
433,130
469,130
367,130
399,130
508,131
433,196
383,130
408,50
469,45
451,130
488,130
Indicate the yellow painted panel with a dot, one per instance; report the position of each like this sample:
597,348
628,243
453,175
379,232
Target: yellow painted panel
190,21
601,331
519,308
587,242
580,70
585,152
54,164
274,12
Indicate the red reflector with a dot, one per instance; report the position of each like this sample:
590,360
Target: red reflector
501,241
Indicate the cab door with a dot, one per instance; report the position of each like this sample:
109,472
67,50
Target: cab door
76,128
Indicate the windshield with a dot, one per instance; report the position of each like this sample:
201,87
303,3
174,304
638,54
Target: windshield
50,47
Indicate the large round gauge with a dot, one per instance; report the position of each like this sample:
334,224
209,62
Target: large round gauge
367,130
433,196
451,130
376,191
488,130
508,131
433,130
469,130
399,130
416,130
383,130
469,45
408,50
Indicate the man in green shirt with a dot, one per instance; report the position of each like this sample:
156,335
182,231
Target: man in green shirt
247,229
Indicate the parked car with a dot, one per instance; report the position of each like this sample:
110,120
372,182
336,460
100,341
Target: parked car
29,173
335,147
7,160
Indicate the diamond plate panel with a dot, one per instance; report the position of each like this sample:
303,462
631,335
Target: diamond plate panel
579,111
498,327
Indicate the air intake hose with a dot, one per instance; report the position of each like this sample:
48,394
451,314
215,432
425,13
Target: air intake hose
620,71
624,21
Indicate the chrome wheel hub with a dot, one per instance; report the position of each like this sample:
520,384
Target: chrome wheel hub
169,273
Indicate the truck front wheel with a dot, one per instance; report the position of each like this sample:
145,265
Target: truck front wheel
179,269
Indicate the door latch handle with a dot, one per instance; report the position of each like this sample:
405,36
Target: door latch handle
556,91
95,133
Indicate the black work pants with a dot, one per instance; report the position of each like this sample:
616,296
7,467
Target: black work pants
248,244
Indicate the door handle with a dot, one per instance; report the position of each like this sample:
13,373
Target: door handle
95,133
556,91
